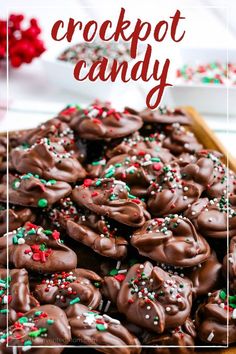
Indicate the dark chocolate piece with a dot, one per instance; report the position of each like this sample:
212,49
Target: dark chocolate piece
65,288
17,217
48,160
179,340
211,173
92,328
164,115
211,319
111,198
230,262
180,140
100,122
154,299
139,145
205,276
170,193
95,232
172,240
42,326
137,171
214,218
15,295
30,190
36,249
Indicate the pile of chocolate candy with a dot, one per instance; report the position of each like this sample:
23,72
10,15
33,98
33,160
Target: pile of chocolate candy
117,237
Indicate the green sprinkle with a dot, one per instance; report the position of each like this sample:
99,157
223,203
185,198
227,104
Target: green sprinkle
98,182
16,184
75,301
42,203
23,319
15,240
232,301
37,333
27,343
47,232
4,311
97,285
32,232
43,181
37,313
131,196
100,327
42,247
50,322
52,181
109,174
113,272
155,159
223,295
112,197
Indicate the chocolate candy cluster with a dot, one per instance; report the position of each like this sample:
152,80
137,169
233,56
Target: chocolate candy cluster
117,237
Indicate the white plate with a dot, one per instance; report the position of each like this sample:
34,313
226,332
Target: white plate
206,98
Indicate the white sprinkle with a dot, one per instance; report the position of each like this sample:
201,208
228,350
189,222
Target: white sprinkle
234,314
118,264
110,319
107,306
100,305
210,337
147,317
21,241
168,309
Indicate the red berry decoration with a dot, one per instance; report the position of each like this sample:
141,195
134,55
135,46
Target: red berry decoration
24,42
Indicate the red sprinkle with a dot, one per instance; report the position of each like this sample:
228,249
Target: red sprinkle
88,182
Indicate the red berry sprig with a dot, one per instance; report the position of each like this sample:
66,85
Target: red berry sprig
24,42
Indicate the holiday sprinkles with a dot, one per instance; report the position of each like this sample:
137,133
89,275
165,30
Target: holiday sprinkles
118,220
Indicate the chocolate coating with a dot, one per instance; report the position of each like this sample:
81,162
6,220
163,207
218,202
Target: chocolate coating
230,261
36,249
179,339
49,161
18,299
154,299
211,319
17,217
50,328
163,115
110,197
28,190
137,171
211,173
91,328
211,217
205,276
95,232
3,153
100,122
170,193
139,145
180,140
173,240
63,288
